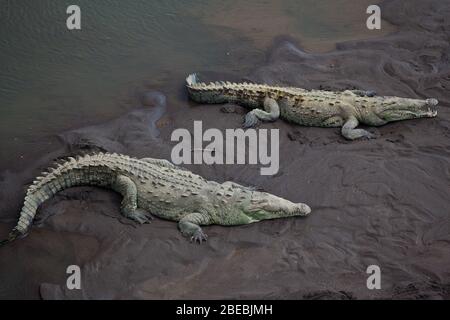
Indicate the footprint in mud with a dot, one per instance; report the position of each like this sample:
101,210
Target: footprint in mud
232,108
329,295
48,291
314,140
54,206
431,290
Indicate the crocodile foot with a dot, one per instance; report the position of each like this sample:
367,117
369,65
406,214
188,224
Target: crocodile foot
362,134
250,121
372,134
140,216
199,236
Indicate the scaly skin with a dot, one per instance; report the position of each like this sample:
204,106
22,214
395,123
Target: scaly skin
346,109
157,187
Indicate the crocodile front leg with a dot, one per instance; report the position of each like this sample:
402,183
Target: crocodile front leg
189,226
127,188
271,112
350,133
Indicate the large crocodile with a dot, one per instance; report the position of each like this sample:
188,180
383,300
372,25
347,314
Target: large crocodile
157,187
346,109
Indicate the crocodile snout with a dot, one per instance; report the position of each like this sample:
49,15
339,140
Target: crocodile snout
431,110
303,209
432,102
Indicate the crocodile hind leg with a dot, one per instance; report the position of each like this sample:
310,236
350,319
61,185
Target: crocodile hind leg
350,133
127,188
271,112
189,226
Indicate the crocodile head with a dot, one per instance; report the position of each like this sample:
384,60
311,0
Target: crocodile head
395,109
263,206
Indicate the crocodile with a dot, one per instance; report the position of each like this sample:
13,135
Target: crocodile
346,109
156,187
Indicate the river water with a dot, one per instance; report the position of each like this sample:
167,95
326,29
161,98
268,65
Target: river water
53,79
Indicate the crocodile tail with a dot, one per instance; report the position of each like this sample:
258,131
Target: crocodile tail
201,92
69,173
13,235
192,79
43,188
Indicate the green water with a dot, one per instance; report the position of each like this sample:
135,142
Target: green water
53,79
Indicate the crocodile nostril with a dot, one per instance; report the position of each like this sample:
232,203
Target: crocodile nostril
432,102
304,209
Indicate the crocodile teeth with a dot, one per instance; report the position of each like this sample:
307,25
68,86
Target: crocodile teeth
431,113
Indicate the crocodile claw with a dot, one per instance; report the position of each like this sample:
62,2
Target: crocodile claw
373,134
250,120
199,236
141,216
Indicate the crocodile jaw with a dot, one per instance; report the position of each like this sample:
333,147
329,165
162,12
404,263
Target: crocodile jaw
395,109
431,111
265,206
